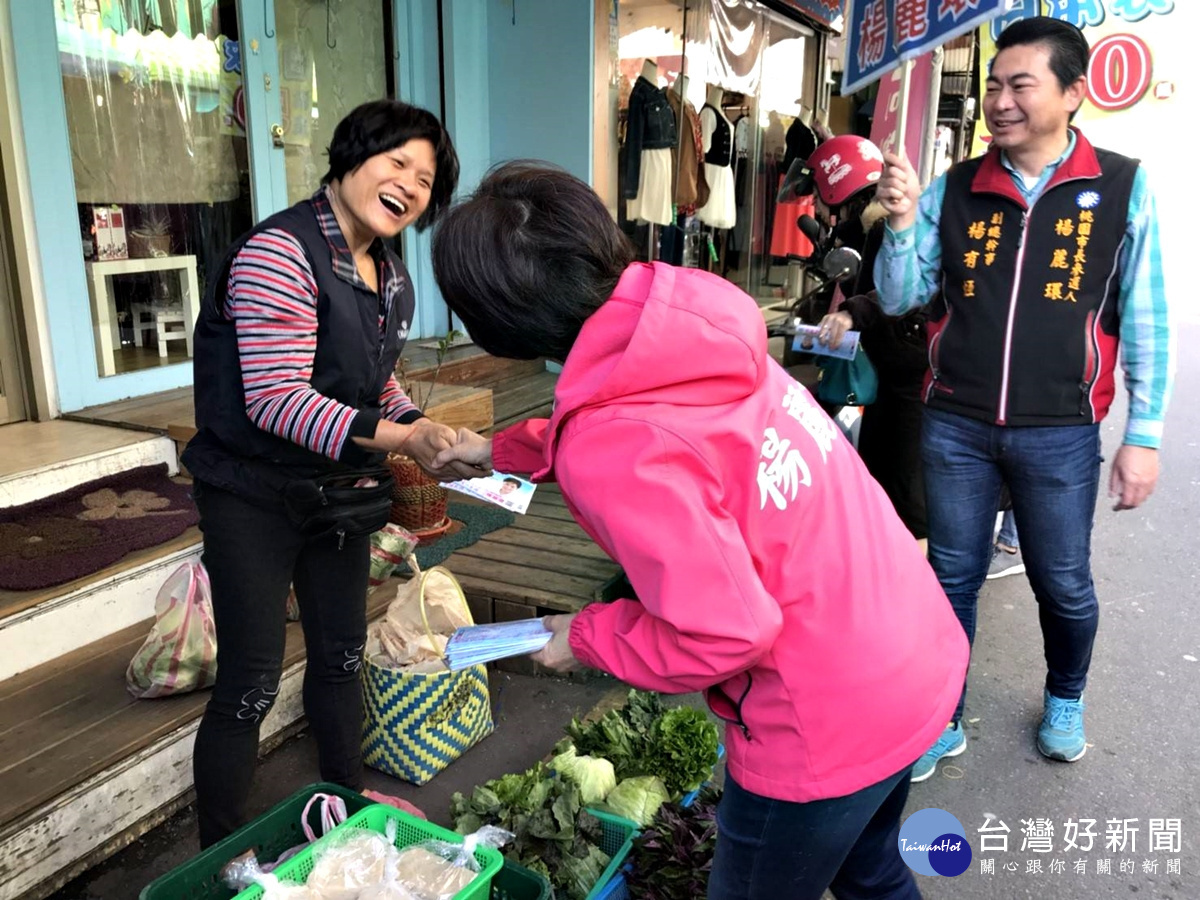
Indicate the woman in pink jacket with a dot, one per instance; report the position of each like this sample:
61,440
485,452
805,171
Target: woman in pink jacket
771,571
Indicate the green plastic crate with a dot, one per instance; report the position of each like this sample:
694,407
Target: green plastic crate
410,830
616,841
269,835
515,882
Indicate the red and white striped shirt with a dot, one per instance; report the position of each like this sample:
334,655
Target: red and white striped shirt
272,299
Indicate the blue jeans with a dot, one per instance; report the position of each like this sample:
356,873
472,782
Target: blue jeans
1008,530
775,850
1053,474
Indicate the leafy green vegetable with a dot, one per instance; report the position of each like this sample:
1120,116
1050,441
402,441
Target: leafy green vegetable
645,738
620,735
638,798
555,835
594,776
683,749
672,858
579,874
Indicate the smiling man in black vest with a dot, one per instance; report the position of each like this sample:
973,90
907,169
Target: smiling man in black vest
1039,258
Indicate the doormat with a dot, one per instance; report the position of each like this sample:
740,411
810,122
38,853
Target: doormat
468,523
77,532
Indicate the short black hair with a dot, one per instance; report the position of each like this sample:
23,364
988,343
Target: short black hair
378,126
527,258
1066,44
511,480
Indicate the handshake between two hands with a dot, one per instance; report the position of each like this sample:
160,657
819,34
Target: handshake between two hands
446,454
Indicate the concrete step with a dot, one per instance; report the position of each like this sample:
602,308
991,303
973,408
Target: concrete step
44,458
48,845
38,626
40,459
86,770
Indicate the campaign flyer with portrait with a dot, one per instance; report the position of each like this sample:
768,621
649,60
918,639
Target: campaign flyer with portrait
508,491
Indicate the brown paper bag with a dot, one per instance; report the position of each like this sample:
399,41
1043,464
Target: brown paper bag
411,633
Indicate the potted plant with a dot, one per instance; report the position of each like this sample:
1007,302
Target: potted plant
418,501
151,239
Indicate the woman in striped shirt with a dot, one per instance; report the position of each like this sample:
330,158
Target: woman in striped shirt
295,350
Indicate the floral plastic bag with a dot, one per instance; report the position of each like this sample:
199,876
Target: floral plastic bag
180,653
390,547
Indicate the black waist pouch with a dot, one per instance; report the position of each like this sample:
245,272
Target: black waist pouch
348,503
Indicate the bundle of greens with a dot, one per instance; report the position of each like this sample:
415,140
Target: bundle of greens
555,835
672,859
645,738
620,734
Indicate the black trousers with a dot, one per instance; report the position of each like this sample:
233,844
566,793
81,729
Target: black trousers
889,442
253,555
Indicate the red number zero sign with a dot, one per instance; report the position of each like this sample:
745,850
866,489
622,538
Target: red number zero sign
1119,71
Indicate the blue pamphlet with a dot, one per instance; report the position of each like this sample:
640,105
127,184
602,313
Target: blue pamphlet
478,644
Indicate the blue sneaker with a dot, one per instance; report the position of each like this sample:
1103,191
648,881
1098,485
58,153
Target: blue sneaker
953,742
1060,735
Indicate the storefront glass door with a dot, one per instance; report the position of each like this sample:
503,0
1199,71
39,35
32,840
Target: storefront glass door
155,116
332,57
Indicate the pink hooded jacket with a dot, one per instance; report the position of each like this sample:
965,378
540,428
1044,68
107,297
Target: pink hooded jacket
771,570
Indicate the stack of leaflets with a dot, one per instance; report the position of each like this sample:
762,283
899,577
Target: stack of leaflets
478,644
508,491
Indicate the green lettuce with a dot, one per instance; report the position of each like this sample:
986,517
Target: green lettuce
554,834
638,798
595,776
683,749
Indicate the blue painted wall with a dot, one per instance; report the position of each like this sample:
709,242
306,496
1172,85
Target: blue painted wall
540,68
512,90
419,81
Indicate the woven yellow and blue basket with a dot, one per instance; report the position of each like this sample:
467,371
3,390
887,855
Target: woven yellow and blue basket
417,723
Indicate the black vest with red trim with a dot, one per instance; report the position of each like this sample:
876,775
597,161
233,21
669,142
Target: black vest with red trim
1025,328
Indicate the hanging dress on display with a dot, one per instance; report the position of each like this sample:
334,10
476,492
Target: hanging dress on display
721,209
649,139
653,200
786,237
691,189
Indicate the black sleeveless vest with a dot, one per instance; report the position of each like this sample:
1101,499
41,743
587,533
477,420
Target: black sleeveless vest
720,151
353,363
